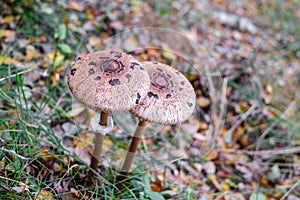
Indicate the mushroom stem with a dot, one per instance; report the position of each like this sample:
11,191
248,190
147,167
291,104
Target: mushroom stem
133,146
103,118
99,142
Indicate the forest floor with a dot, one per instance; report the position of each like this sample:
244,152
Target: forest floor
242,58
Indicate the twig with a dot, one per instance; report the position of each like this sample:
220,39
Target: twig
223,105
13,75
268,130
14,153
290,190
67,172
243,117
264,152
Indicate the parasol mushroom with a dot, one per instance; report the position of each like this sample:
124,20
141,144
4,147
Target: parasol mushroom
171,99
107,81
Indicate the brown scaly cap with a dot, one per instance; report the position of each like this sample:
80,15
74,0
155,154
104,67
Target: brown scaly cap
108,81
171,98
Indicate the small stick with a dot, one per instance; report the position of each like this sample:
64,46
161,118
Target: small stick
99,142
133,146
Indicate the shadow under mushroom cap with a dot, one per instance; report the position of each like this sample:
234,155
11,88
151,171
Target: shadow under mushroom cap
108,81
171,98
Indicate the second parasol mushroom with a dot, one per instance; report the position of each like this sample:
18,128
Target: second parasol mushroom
171,99
107,81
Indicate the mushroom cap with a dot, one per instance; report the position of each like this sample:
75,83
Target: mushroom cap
171,98
108,81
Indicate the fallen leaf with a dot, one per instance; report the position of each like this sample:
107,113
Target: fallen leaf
234,196
156,186
203,101
264,182
21,188
212,155
7,60
168,55
45,195
77,108
214,180
130,44
54,78
83,154
64,48
30,54
153,53
7,19
94,40
258,196
72,5
116,25
209,167
275,173
8,35
55,57
202,126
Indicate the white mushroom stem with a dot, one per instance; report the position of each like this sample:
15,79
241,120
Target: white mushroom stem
101,125
133,146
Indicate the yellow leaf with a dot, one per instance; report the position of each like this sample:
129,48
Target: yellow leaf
226,187
54,78
212,155
107,143
55,57
6,60
203,102
30,54
192,77
7,19
8,35
45,195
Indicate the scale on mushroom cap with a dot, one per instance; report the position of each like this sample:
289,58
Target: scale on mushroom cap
107,81
170,99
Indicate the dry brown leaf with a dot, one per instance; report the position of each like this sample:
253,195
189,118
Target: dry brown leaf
214,180
209,167
212,155
268,99
116,25
73,5
54,78
94,40
83,154
234,196
156,186
264,182
153,53
31,54
202,126
269,89
8,60
21,188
